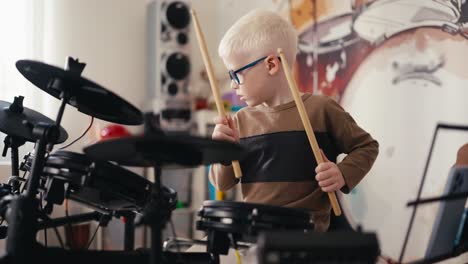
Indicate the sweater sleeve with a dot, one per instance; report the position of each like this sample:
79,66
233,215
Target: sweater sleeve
360,147
222,175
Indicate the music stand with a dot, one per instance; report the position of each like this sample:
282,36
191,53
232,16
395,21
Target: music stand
449,236
455,184
451,216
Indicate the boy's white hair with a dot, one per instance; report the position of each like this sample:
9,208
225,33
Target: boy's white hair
261,32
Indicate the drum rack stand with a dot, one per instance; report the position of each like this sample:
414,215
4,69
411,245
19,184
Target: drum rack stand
13,143
155,215
22,213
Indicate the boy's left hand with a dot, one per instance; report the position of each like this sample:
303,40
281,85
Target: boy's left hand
329,176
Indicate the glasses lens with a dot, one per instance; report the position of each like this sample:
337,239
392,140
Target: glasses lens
238,78
234,77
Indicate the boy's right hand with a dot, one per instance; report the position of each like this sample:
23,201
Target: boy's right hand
225,129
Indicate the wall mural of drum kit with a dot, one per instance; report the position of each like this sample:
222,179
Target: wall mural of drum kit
398,67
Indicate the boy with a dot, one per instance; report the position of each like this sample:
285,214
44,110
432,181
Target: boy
280,168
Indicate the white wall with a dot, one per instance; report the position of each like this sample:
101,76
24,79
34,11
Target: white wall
109,35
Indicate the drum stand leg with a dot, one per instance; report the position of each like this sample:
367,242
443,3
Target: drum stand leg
158,222
22,213
129,232
156,214
218,243
14,143
74,219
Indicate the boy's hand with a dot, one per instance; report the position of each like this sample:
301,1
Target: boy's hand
329,176
225,129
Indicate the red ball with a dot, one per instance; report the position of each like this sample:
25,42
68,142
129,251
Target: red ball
114,131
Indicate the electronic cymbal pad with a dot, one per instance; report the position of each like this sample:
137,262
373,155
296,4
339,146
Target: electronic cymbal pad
18,121
163,150
88,97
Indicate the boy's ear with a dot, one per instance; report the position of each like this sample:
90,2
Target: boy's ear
273,64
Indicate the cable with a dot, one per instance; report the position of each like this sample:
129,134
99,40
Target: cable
95,232
80,137
25,182
238,256
59,237
68,224
42,211
234,245
174,235
175,240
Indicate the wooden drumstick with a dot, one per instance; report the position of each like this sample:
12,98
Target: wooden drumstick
213,83
307,125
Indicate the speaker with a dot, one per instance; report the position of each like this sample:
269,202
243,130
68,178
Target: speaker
169,63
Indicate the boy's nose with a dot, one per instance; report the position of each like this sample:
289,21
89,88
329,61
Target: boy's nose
234,85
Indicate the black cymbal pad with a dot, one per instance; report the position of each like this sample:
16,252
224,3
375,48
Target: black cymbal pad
20,124
162,150
88,97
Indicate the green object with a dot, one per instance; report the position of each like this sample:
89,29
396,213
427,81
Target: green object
180,205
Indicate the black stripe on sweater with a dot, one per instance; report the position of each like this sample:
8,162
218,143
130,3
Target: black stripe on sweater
283,157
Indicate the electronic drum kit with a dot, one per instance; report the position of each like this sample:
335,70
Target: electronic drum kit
98,180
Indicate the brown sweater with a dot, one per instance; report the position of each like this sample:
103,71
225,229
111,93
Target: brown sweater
279,168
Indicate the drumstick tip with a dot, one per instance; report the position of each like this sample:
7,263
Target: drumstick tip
192,12
280,50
